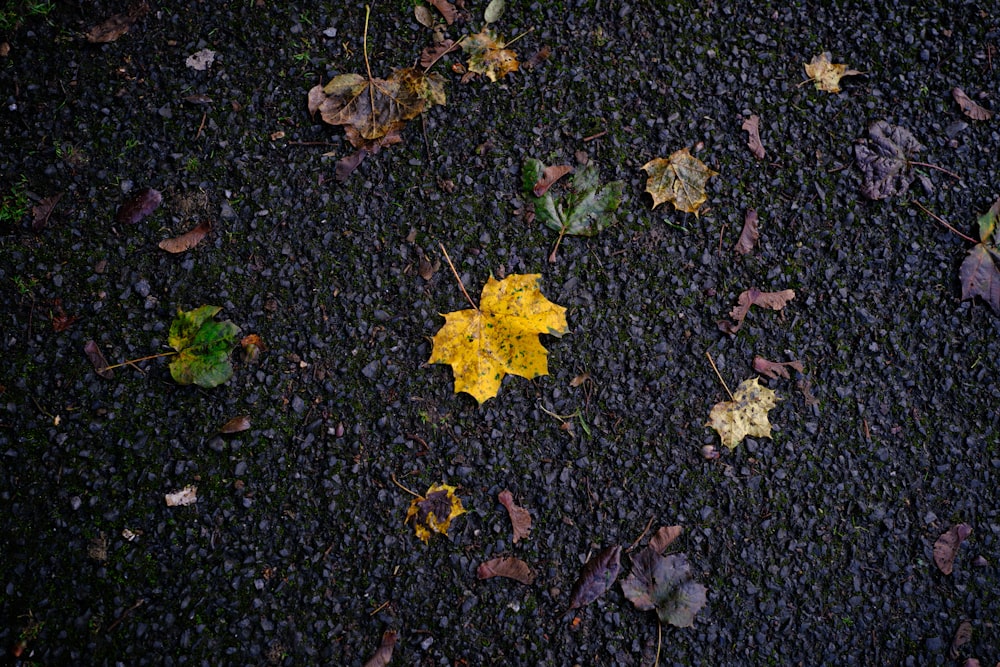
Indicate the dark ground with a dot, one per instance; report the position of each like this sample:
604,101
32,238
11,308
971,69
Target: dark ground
815,546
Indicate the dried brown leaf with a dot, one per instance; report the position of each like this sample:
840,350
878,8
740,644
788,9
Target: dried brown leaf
752,126
41,211
186,496
980,276
97,359
970,108
963,635
423,16
827,74
509,567
537,59
426,268
60,320
596,577
773,369
138,206
754,297
520,518
235,425
117,25
448,10
384,653
432,54
749,235
549,177
579,379
187,240
347,164
664,537
946,546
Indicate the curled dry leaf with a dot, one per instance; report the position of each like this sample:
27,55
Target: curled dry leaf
423,16
187,240
596,577
509,567
235,425
117,25
426,268
980,276
946,546
773,369
963,635
186,496
548,178
826,74
252,346
97,360
488,55
384,653
745,415
434,511
579,379
664,537
970,108
42,211
138,206
752,127
520,518
680,179
749,235
754,297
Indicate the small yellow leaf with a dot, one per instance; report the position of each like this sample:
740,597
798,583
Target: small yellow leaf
745,415
681,178
488,56
826,74
434,511
482,346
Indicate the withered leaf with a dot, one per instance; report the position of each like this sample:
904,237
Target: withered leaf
752,127
200,60
509,567
138,206
235,425
749,235
488,56
579,379
97,359
664,537
970,108
494,10
680,179
432,54
773,369
434,511
60,320
548,178
426,268
384,653
520,518
41,211
186,496
117,25
347,164
946,546
826,74
754,297
423,16
448,10
596,577
187,240
980,277
884,160
252,346
745,415
963,635
664,583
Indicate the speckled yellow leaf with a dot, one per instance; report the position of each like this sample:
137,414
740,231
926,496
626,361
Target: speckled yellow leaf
745,415
482,346
681,178
488,56
826,74
434,511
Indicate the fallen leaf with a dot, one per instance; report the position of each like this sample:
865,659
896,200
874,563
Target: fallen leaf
520,518
347,164
988,222
198,98
203,347
448,11
97,360
494,10
745,415
752,127
426,268
749,235
827,75
510,567
970,108
60,320
235,425
500,337
596,577
946,546
884,160
435,511
200,60
979,275
963,635
432,54
41,211
664,583
488,56
664,537
138,206
579,379
805,386
774,369
384,653
252,346
117,25
754,297
423,16
188,240
548,178
537,59
680,179
186,496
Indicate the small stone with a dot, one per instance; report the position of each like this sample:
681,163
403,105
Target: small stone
75,502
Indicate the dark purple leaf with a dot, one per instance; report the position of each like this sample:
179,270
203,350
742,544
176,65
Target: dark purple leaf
41,211
97,359
138,206
946,547
596,577
980,277
963,635
346,165
884,160
664,537
664,583
384,653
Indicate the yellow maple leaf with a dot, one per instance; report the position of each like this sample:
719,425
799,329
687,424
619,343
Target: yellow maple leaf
681,178
434,511
826,74
500,337
745,415
488,56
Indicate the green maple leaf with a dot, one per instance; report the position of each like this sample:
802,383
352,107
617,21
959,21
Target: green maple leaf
203,347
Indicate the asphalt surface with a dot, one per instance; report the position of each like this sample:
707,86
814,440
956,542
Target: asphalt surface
815,546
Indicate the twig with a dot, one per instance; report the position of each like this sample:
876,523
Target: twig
202,126
555,248
967,238
456,276
368,67
595,136
125,613
379,608
453,47
526,32
659,641
132,361
934,166
644,531
716,369
396,482
311,143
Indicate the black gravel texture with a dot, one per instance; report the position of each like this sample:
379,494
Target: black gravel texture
815,545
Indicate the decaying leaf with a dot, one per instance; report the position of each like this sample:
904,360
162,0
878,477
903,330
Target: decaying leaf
138,206
447,10
252,346
827,75
42,211
664,583
500,337
963,635
884,160
774,369
754,297
60,320
752,126
200,60
520,518
203,347
970,108
988,222
745,415
432,54
979,274
235,425
186,496
187,240
97,360
680,179
347,164
426,268
423,16
488,56
435,511
664,537
596,577
549,177
509,567
384,653
117,25
946,546
749,235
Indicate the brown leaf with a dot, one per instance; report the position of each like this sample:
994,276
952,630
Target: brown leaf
579,379
423,16
773,369
188,240
752,126
749,235
488,55
946,547
235,425
60,320
596,577
963,635
97,360
510,567
664,537
520,518
538,58
347,164
970,108
384,653
754,297
827,74
447,10
138,206
117,25
980,276
252,346
41,211
548,178
432,54
805,386
426,268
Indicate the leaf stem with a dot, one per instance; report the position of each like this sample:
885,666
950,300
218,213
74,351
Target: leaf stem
716,369
934,166
396,482
456,276
368,67
659,641
967,238
555,249
453,47
132,361
526,32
